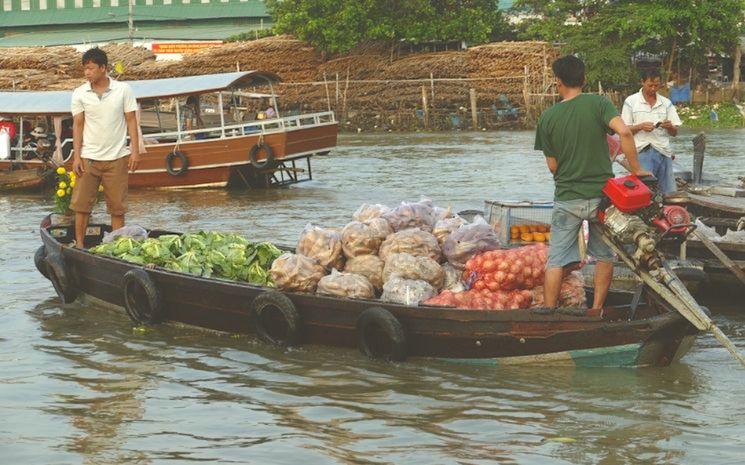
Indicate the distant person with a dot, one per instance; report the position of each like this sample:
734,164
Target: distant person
103,112
652,119
269,112
191,115
572,136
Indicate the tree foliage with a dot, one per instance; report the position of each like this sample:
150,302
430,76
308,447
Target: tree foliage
339,25
608,33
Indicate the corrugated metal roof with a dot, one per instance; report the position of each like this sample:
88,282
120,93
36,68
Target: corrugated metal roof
58,102
118,14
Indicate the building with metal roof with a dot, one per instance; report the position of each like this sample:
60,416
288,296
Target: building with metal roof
75,22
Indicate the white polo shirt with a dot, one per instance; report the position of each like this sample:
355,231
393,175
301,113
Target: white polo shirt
105,131
636,110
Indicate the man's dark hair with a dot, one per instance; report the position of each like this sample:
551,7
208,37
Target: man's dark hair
650,73
571,71
95,55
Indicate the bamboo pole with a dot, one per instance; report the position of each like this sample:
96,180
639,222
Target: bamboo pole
344,97
432,85
474,109
526,92
425,107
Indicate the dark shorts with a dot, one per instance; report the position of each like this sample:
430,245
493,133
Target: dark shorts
113,175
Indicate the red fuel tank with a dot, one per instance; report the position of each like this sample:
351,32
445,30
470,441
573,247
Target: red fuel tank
628,193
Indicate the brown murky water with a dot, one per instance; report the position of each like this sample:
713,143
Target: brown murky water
79,386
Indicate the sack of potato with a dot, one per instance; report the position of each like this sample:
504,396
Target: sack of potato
296,273
369,266
348,285
445,227
360,239
369,211
379,227
453,279
407,291
408,266
468,240
322,244
414,241
412,215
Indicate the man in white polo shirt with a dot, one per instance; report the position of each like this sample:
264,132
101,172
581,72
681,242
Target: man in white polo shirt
103,113
652,119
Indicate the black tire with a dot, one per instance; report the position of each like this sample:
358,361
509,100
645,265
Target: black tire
254,152
275,319
169,163
40,260
61,278
142,298
381,336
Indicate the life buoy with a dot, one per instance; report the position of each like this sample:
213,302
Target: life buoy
380,335
254,152
61,278
275,319
169,163
40,258
142,298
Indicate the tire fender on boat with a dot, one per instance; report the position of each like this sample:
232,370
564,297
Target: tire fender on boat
169,163
142,298
374,323
254,152
275,319
61,278
40,260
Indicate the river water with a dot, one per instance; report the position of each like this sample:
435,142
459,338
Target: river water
78,385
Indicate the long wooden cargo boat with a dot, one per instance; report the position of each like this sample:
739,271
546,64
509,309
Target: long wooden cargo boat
629,332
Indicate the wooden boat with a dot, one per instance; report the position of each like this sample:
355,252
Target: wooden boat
642,332
243,152
26,178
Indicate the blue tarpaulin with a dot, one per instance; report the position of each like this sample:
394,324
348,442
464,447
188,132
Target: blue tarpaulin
681,93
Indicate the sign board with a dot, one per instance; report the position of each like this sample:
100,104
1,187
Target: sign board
181,47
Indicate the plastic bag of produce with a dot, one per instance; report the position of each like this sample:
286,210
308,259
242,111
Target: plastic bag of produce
407,291
483,300
134,232
322,244
408,266
468,240
520,268
412,215
572,293
453,281
414,241
349,285
360,239
370,211
445,227
380,228
298,273
369,266
442,213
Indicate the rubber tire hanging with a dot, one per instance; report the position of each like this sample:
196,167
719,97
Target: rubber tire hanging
254,152
169,163
376,321
141,298
61,278
40,260
271,309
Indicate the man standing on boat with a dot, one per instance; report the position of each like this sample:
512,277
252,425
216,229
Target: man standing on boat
652,119
572,136
103,113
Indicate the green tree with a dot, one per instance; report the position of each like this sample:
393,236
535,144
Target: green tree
339,25
606,33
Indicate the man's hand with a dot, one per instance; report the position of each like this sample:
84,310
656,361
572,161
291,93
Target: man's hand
134,160
78,167
646,126
667,124
641,172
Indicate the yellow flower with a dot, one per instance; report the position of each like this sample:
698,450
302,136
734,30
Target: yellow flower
61,193
68,190
62,184
72,183
100,188
61,170
72,175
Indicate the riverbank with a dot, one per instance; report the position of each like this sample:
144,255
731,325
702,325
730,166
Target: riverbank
717,115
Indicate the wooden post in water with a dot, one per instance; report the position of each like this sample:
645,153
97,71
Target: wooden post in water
474,109
425,107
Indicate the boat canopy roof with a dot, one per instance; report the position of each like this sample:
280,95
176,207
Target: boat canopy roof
58,102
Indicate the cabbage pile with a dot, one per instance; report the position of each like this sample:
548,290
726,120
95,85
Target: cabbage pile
207,254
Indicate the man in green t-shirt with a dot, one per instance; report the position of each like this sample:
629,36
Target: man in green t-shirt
572,136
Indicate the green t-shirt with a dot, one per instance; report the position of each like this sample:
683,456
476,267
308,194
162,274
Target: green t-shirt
574,132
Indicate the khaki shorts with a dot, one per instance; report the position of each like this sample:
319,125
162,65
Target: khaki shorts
114,177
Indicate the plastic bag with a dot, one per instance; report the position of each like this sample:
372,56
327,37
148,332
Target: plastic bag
414,241
468,240
520,268
369,211
453,281
360,239
407,291
412,215
408,266
322,244
349,285
572,293
445,227
708,231
369,266
483,300
734,236
380,228
442,213
292,272
137,233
